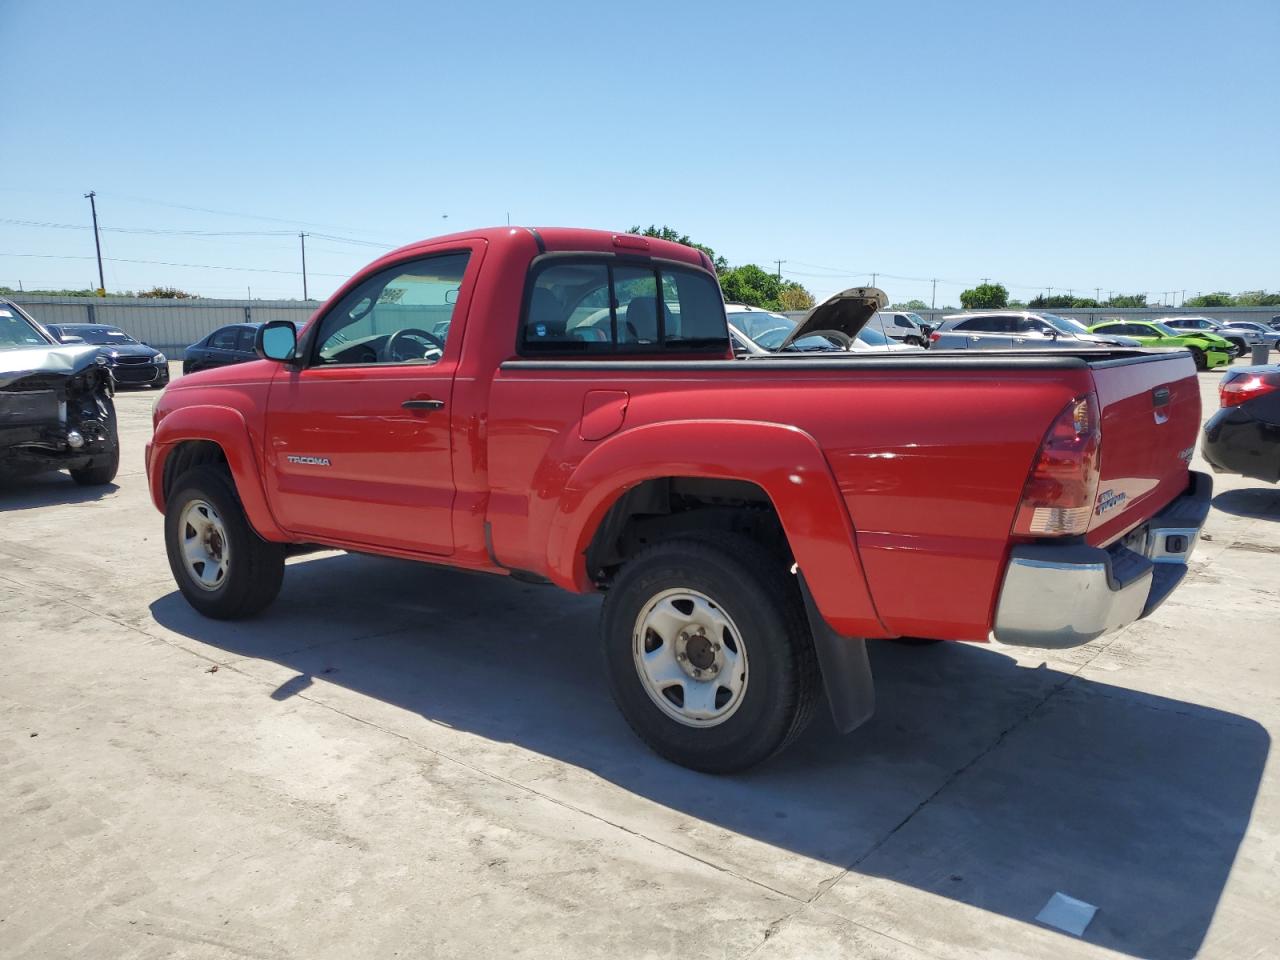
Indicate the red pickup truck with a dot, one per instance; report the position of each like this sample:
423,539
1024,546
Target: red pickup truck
564,406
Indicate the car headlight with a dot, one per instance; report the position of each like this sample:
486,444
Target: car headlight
101,361
159,358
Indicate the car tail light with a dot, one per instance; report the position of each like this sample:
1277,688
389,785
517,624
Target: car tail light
1232,393
935,337
1058,498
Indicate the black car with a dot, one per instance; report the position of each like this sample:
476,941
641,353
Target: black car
226,345
56,408
131,363
1244,436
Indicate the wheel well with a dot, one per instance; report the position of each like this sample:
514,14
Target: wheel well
188,454
672,506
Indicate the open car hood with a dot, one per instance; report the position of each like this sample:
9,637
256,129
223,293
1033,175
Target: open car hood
846,312
68,360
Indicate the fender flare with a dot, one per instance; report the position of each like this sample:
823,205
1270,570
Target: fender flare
784,461
228,428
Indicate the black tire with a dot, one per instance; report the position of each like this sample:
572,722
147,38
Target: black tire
1197,355
913,341
1241,348
103,467
754,588
255,567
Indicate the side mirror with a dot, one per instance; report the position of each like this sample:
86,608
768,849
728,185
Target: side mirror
277,340
70,338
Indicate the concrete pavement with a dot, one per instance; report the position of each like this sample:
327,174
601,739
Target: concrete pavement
402,761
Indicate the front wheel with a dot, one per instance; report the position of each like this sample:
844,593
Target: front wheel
708,652
1197,355
221,565
103,467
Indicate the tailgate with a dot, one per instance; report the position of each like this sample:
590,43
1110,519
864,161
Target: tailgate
1150,420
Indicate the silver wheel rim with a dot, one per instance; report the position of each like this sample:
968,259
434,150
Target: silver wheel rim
690,658
205,551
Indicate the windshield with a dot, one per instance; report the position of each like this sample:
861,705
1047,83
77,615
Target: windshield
16,333
1166,330
873,337
1064,324
99,335
770,329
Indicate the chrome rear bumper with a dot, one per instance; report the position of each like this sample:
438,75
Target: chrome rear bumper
1066,595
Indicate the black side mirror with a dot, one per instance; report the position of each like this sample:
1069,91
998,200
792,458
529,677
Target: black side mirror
277,340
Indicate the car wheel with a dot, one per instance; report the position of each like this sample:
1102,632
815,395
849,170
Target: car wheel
914,341
1198,356
102,468
1241,347
708,652
221,565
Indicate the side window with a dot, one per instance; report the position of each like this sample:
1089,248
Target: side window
224,339
594,306
900,321
400,315
245,338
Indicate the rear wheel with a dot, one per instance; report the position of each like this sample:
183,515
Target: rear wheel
913,341
223,568
1198,356
708,652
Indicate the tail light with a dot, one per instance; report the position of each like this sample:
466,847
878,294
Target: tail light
935,337
1058,498
1242,387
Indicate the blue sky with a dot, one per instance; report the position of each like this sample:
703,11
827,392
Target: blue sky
1127,146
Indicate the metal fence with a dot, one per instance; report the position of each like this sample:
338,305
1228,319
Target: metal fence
173,325
167,325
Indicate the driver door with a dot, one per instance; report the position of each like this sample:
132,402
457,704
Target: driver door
358,438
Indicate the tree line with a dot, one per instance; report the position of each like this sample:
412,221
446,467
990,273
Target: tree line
990,295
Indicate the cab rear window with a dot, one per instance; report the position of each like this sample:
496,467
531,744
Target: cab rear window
611,305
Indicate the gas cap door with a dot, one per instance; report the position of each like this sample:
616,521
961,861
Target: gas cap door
602,413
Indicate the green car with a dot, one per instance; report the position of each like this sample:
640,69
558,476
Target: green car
1207,349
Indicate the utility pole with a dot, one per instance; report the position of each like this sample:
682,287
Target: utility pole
933,300
873,278
779,273
1097,294
97,245
303,238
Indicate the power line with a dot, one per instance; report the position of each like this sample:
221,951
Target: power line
167,263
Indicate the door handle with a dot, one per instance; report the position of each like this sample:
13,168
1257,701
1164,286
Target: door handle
423,404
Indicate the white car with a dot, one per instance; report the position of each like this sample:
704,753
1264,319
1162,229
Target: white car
757,332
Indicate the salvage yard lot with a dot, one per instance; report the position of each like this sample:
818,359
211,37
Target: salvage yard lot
398,760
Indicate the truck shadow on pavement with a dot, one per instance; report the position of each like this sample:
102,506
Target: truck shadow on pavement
978,780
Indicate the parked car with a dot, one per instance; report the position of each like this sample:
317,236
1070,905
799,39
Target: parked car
749,522
758,332
56,408
902,326
1207,349
1242,340
1016,330
1244,435
1265,334
131,362
223,347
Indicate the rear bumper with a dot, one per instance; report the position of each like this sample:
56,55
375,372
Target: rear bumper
1235,441
1066,595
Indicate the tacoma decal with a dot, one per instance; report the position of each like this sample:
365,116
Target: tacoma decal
1109,500
309,461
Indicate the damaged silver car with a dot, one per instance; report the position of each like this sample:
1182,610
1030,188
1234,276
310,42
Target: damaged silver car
56,406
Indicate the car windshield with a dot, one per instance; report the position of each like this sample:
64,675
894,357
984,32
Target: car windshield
1166,330
1064,324
18,334
872,337
770,329
101,336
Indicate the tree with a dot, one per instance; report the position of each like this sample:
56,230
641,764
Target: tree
912,305
1061,302
167,293
751,285
1257,298
1127,300
670,233
794,297
985,295
1218,299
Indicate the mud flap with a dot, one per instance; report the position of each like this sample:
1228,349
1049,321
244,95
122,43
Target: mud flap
846,670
